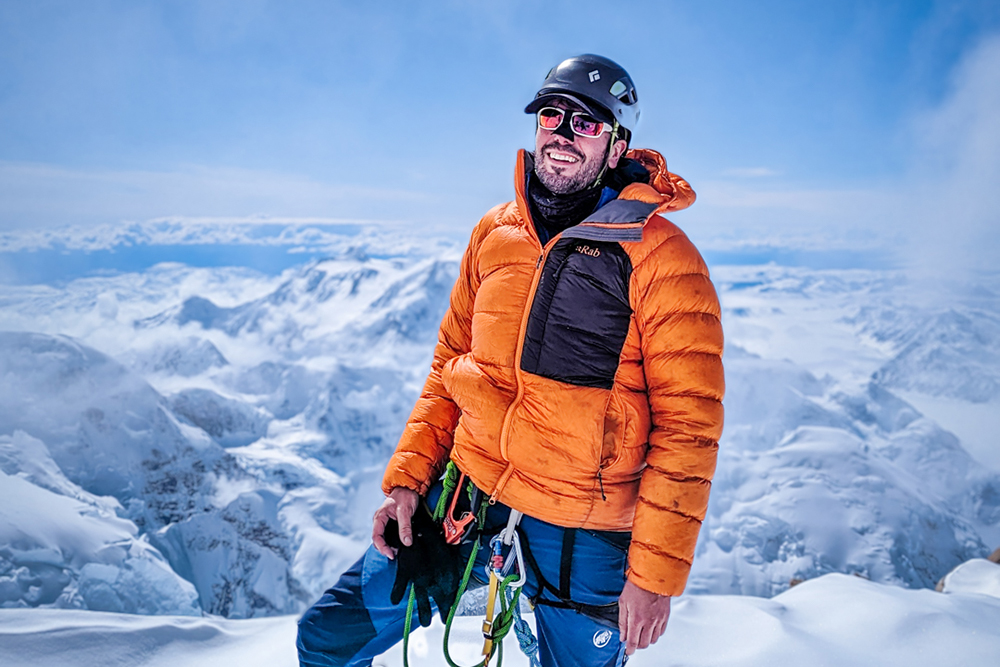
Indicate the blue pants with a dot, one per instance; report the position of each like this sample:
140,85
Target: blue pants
354,622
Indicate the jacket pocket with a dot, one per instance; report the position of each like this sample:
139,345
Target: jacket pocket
614,431
556,431
481,403
460,378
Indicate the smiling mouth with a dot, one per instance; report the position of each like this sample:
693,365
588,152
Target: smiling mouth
561,157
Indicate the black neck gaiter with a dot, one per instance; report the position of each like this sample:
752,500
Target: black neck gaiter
553,213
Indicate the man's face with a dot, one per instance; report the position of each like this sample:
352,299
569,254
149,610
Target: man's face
566,162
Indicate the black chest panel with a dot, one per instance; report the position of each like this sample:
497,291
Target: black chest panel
580,314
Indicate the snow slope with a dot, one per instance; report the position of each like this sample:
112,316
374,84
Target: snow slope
67,548
823,468
812,480
835,620
976,576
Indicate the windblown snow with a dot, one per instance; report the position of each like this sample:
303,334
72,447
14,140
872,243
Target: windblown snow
210,441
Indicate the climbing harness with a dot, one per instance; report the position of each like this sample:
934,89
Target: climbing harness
606,614
506,573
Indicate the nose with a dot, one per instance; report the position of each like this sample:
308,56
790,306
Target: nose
564,130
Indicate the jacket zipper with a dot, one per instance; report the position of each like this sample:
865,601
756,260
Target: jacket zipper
519,395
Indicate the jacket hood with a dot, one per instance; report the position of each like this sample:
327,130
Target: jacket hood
666,189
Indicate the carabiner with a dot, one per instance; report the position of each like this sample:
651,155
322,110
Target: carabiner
508,562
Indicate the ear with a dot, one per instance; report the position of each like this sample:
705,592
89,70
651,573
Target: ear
616,153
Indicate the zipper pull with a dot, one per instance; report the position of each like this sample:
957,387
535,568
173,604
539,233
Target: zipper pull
601,482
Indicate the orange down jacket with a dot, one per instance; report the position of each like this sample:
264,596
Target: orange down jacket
581,382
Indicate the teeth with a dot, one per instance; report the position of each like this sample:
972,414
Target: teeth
562,157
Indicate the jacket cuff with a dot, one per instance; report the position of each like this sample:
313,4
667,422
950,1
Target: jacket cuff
400,473
662,575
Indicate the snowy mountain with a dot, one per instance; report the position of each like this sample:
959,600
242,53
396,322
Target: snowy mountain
67,548
96,429
226,430
950,353
835,472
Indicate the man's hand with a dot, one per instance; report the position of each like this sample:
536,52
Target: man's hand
400,505
642,617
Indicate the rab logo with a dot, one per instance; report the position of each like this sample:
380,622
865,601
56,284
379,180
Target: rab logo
587,250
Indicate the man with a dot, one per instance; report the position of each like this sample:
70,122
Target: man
577,379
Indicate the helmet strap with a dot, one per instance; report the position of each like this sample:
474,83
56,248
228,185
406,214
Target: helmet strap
611,145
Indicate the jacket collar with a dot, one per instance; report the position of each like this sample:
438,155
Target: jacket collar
623,218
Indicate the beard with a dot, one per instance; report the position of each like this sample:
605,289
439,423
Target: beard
563,185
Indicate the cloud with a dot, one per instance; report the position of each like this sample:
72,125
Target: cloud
314,234
734,214
38,195
955,203
178,230
939,218
940,215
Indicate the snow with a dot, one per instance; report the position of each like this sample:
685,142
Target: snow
90,639
974,576
231,423
833,620
211,441
70,550
977,425
97,429
238,421
953,353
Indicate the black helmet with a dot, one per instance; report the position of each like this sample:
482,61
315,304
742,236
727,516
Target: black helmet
599,85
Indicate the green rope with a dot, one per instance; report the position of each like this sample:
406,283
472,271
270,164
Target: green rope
450,481
480,524
461,591
406,626
504,621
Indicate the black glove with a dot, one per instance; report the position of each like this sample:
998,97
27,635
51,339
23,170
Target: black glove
433,566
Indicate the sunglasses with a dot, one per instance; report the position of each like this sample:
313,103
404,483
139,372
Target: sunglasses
583,124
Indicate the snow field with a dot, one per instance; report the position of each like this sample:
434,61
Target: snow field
47,638
836,621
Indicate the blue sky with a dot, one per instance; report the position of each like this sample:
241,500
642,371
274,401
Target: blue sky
797,122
